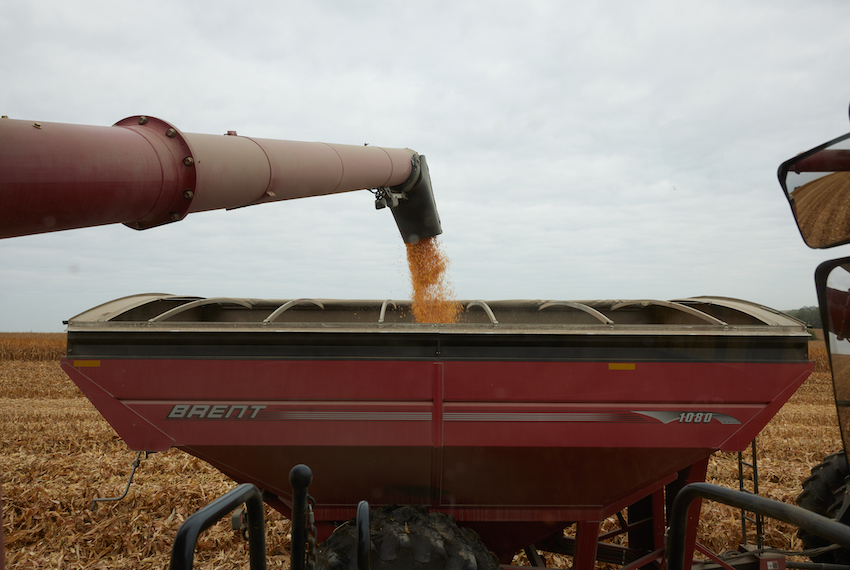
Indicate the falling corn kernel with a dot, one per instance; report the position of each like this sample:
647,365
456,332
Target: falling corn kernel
433,295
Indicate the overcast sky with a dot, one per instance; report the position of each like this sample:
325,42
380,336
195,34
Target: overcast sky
578,150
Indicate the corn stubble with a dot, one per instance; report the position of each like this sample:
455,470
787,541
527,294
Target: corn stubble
57,454
433,296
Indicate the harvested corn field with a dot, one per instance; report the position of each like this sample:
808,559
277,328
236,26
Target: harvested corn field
821,208
57,454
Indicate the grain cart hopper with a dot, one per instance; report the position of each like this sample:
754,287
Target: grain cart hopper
525,418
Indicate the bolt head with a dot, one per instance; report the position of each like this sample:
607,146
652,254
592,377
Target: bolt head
174,216
143,120
188,194
171,133
188,161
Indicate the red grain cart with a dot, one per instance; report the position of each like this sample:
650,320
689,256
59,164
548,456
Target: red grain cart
525,418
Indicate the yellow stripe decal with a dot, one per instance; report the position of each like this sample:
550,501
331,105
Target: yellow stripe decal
87,364
621,366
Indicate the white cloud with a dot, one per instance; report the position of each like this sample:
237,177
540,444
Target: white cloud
613,149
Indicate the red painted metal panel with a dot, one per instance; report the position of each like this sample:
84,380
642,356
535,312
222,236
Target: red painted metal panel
437,435
399,408
285,388
137,433
599,425
586,542
742,438
144,172
695,474
265,379
590,480
685,382
58,176
503,442
516,382
379,476
330,424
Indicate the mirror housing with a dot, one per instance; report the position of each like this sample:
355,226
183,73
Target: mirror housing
832,279
817,186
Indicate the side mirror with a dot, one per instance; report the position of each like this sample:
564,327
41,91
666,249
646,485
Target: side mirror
817,185
832,280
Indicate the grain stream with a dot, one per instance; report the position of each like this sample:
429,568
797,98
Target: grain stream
433,295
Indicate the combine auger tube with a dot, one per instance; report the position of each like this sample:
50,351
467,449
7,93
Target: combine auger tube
144,172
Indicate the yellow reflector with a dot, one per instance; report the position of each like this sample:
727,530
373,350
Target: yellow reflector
621,366
87,364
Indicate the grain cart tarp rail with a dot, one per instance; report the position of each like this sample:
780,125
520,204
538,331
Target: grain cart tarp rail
557,412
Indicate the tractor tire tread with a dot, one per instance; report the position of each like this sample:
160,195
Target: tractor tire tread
819,496
409,537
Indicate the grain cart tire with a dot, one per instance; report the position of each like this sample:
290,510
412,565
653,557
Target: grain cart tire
409,537
823,494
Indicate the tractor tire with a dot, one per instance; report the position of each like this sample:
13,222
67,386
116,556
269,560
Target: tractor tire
408,537
823,493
